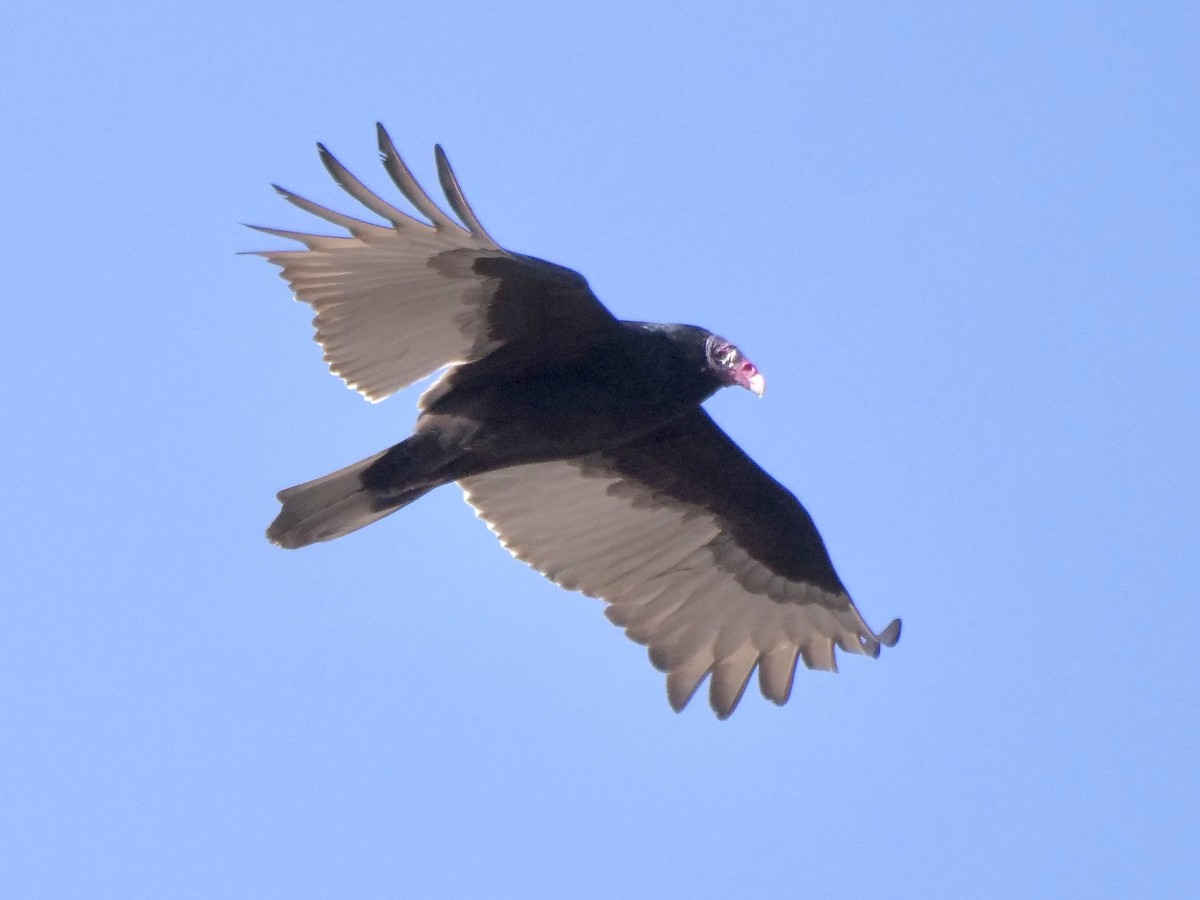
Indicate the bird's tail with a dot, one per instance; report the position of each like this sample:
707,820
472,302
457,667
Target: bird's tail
335,504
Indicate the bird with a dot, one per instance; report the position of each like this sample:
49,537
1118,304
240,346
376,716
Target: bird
579,438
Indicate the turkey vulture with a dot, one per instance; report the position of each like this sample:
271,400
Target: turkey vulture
578,438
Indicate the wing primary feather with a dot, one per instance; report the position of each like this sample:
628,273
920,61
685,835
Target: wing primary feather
351,224
683,681
454,193
408,185
730,675
311,241
818,654
359,191
863,644
890,635
776,670
868,641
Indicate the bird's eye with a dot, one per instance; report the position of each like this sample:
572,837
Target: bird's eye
726,354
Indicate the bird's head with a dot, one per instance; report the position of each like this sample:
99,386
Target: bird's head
730,366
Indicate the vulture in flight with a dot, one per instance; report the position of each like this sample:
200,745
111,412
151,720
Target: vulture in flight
579,438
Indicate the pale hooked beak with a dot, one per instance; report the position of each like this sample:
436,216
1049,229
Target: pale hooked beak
747,375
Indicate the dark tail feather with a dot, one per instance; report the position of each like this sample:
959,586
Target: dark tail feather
333,505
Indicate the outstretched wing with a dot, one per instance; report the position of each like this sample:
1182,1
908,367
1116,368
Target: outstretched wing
397,302
700,554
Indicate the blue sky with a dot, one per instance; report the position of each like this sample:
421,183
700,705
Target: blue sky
961,240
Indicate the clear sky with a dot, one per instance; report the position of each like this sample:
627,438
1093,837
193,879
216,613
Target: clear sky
962,240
